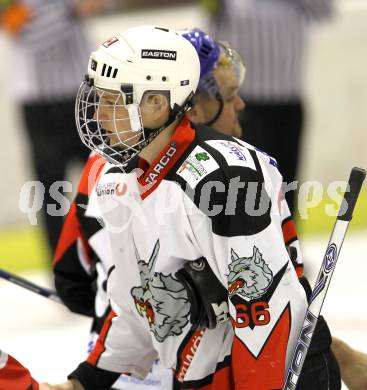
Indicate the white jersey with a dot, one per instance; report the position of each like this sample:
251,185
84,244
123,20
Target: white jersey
206,195
81,266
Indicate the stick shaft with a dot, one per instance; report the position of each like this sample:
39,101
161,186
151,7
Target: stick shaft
45,292
317,299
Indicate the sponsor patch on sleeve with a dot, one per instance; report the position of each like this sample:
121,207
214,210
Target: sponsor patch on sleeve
196,166
234,153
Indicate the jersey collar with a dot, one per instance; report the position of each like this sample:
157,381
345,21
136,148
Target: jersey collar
170,154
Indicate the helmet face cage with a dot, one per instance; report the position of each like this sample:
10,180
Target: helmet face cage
107,125
228,58
234,60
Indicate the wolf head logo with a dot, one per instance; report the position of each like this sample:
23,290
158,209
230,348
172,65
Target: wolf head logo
161,298
249,277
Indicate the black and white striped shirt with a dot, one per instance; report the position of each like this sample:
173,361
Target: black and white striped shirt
271,36
50,56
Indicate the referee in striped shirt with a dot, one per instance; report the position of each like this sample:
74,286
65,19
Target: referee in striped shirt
48,52
271,36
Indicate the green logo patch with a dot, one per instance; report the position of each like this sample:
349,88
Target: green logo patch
202,156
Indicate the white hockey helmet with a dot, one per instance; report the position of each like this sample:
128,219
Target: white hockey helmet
126,66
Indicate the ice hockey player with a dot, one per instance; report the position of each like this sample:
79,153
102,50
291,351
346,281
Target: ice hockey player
81,262
192,206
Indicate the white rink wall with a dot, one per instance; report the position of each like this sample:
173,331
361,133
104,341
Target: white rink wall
336,129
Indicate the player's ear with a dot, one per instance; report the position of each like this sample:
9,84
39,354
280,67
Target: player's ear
155,105
196,114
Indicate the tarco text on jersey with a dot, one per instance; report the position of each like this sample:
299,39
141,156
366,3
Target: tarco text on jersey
165,159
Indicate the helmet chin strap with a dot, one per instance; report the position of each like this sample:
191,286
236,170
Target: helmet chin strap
150,134
219,98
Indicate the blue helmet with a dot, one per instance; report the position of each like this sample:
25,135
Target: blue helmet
208,51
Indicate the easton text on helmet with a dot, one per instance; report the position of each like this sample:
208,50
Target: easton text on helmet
159,54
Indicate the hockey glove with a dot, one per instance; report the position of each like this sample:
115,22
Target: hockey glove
208,297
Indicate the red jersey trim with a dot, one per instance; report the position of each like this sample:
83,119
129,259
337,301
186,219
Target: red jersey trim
289,231
267,370
186,354
91,172
71,230
180,141
15,376
299,270
100,345
69,234
221,379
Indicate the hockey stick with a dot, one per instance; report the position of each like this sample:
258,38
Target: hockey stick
345,214
45,292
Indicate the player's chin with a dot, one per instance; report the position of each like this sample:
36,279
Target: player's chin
237,130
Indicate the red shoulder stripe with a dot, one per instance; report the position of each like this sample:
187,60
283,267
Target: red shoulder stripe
299,270
71,230
70,233
90,174
289,231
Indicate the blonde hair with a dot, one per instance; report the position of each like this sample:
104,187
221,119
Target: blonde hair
224,60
